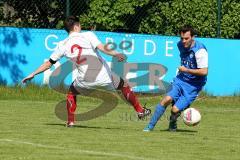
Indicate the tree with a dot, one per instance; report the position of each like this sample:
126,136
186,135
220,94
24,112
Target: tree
1,11
33,13
230,22
163,17
111,15
167,17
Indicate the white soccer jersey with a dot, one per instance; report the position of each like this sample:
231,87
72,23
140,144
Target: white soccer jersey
80,48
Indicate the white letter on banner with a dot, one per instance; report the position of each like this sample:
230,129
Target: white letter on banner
169,48
145,47
55,43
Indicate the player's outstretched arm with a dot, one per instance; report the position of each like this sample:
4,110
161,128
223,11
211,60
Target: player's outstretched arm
41,69
106,50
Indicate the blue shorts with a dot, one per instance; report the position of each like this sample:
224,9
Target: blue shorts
183,93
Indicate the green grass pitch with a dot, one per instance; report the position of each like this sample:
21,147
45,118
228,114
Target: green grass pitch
29,130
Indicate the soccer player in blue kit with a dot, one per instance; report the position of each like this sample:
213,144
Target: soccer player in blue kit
191,78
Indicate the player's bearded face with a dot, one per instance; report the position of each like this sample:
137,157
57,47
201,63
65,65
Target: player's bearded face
186,39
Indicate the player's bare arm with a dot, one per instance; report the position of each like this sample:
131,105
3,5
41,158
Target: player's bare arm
41,69
104,48
196,72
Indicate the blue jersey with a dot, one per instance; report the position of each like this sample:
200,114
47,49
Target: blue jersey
190,60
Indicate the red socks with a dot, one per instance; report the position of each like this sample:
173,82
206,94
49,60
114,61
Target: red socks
128,94
131,98
71,107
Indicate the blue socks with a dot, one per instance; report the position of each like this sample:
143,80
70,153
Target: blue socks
157,114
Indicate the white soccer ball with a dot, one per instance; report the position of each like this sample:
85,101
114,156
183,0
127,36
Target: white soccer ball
191,117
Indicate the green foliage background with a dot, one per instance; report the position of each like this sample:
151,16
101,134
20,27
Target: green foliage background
162,17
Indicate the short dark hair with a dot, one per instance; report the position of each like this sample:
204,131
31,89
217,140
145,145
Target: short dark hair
69,23
187,28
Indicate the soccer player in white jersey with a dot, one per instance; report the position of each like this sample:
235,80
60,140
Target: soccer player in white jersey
191,78
80,48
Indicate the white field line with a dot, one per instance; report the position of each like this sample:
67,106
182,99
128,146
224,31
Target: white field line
123,155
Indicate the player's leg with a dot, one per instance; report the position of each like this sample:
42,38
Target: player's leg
130,96
159,111
175,113
188,95
172,96
71,106
133,100
181,104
